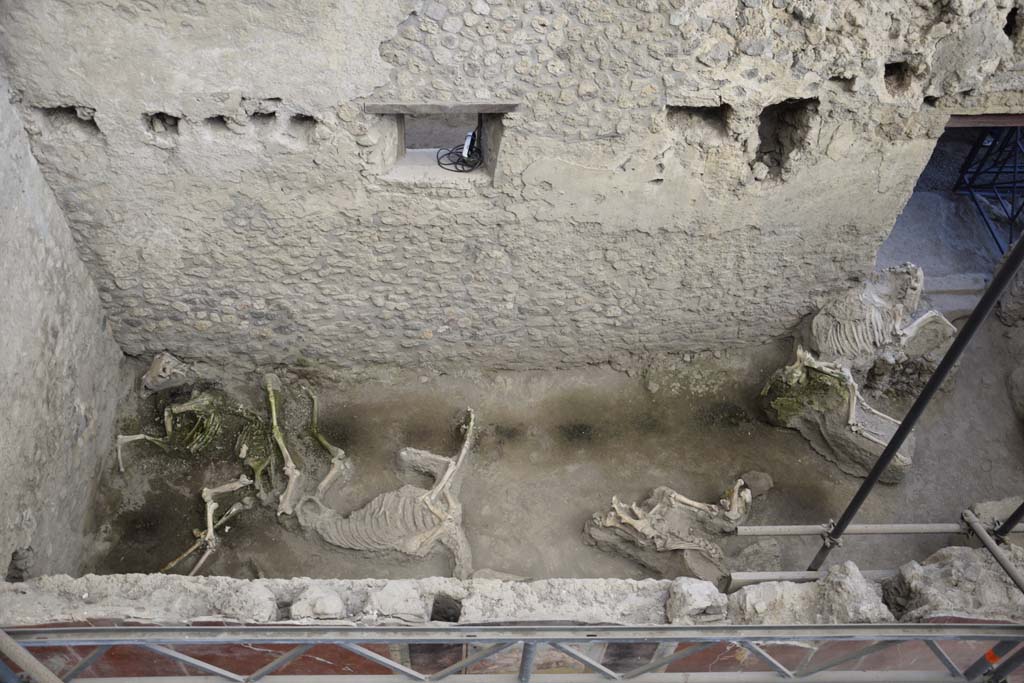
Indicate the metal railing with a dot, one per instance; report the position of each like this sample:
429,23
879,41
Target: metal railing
983,652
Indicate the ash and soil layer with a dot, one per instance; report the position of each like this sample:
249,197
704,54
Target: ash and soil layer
554,448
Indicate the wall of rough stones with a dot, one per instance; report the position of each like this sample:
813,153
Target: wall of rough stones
677,176
954,583
60,367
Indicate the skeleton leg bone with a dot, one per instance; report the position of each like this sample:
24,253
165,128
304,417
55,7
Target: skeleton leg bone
709,508
442,485
210,536
339,467
805,358
339,461
457,543
245,504
286,504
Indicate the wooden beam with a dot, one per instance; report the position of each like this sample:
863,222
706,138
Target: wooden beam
427,108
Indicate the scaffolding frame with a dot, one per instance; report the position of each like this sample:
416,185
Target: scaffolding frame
676,644
994,171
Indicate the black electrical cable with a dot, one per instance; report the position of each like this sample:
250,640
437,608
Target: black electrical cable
453,159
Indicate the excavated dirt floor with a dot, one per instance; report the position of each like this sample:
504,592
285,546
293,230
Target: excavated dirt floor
553,448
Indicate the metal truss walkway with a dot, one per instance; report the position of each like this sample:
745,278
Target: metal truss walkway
897,653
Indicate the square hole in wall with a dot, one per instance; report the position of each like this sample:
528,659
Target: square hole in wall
784,130
699,125
451,143
898,77
442,145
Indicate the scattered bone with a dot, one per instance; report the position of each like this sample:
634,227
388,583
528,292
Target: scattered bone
670,533
244,504
124,439
822,401
410,520
166,372
208,538
286,504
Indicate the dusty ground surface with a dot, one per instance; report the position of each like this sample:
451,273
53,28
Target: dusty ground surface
554,448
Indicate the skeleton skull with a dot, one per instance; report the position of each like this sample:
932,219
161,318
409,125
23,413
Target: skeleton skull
166,372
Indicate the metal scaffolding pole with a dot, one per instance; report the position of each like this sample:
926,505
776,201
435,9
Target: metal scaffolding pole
1004,562
1007,527
24,660
852,530
995,289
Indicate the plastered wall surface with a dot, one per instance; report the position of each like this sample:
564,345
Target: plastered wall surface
60,366
678,176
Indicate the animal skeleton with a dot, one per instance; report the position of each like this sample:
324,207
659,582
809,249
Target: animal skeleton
410,520
166,372
669,521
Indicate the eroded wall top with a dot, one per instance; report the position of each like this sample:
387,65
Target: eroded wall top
677,176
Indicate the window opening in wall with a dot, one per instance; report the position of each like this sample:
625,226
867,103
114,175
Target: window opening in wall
430,139
453,139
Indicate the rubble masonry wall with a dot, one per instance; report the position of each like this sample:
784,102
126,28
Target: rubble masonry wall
60,365
678,176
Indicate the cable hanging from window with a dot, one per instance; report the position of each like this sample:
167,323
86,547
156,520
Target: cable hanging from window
463,158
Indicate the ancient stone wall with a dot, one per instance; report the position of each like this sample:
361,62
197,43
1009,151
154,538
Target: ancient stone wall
677,176
59,365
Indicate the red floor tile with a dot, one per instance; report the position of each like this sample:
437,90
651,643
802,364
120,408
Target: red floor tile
333,659
126,661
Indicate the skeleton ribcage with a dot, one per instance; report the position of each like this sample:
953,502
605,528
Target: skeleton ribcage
388,522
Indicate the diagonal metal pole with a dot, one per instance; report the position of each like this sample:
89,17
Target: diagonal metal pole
1006,667
1004,275
986,540
24,660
